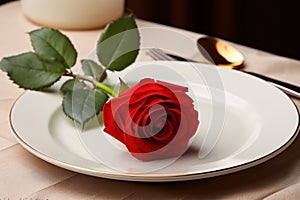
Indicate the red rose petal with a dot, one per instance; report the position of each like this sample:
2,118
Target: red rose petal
150,131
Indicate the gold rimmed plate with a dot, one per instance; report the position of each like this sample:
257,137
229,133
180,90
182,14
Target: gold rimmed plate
259,122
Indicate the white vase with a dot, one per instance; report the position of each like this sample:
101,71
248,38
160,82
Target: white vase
73,14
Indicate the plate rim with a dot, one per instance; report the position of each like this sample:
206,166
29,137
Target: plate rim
151,177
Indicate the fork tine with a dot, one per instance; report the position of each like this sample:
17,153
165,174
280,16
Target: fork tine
153,55
158,54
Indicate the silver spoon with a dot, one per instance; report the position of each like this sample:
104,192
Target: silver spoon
224,55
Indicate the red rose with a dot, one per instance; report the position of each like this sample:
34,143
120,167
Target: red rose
154,120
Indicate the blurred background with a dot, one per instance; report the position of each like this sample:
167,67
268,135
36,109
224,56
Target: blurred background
268,25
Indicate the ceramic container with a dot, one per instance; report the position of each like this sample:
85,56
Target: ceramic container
73,14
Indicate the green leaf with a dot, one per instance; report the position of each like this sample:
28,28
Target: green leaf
71,85
30,72
52,45
119,44
91,68
82,105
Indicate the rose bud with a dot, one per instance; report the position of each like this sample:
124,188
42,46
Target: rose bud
154,120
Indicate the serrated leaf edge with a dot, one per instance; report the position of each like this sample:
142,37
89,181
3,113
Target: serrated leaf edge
28,88
70,117
58,53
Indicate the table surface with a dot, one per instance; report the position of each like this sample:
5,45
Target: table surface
24,176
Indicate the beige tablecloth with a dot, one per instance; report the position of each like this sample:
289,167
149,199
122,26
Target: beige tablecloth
24,176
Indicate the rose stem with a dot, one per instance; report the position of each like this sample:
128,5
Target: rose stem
97,84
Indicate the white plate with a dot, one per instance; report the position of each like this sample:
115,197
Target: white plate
259,122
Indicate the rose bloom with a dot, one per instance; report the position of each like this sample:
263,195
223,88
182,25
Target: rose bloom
154,120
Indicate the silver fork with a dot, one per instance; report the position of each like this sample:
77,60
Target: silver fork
158,54
293,90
